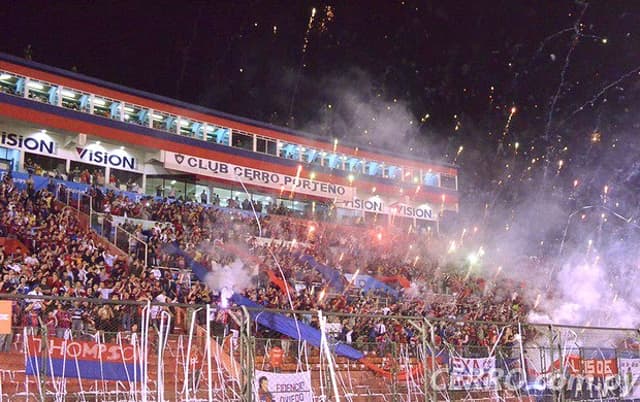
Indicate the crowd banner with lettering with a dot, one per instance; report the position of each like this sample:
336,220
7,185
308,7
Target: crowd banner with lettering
283,387
41,182
472,374
599,379
81,359
257,177
629,378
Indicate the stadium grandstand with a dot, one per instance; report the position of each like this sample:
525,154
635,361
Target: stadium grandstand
154,250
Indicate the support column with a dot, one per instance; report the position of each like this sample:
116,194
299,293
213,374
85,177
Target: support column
107,175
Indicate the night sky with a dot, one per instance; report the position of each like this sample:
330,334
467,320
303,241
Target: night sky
448,73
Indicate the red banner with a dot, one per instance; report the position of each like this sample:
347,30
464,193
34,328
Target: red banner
404,282
574,365
599,367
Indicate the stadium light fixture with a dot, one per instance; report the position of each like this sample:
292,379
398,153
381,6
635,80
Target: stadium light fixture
5,76
35,85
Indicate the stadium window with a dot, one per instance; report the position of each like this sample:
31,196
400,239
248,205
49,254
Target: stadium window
289,151
242,140
38,91
125,180
266,146
115,110
155,186
46,163
354,165
184,127
312,156
223,135
430,179
101,107
9,83
407,174
448,181
391,172
136,114
71,99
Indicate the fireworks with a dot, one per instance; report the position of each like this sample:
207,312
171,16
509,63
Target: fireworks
321,295
305,43
460,149
537,302
297,179
321,26
505,131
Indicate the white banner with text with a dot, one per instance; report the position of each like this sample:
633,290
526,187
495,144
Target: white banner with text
273,387
257,177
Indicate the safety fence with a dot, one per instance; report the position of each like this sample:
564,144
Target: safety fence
107,349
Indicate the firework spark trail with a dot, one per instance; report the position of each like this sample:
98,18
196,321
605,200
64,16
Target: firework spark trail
604,90
306,34
567,61
305,45
505,131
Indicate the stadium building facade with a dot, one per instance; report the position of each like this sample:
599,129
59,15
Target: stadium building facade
66,122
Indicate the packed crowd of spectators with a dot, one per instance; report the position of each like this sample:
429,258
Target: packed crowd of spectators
66,259
376,251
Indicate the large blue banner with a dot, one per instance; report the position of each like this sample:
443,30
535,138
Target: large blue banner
277,322
81,359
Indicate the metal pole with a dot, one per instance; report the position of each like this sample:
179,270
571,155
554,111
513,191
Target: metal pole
209,378
146,254
248,357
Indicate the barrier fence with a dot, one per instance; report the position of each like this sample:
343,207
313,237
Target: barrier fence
106,349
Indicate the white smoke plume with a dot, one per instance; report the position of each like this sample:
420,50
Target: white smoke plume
236,276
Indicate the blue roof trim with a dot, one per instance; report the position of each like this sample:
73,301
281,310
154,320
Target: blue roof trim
201,109
159,134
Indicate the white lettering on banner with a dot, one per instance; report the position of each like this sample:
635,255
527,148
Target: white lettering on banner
31,144
107,159
629,370
283,387
599,367
85,350
278,181
377,205
473,374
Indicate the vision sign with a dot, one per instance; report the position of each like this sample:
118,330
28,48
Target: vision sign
104,158
377,205
263,178
32,144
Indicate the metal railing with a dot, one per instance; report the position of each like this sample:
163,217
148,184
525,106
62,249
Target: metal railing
186,352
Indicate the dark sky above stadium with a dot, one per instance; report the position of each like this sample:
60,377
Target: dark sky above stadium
445,72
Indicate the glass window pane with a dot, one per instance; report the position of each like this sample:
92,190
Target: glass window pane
241,140
272,147
447,181
261,145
